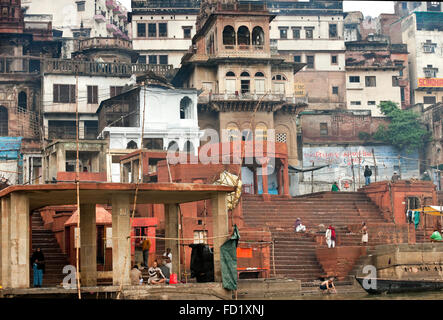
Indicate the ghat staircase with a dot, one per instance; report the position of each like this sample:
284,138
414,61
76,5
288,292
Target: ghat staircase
55,259
295,253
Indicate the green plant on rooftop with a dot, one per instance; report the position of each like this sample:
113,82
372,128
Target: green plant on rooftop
405,132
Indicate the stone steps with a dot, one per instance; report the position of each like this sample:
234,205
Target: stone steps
55,259
295,253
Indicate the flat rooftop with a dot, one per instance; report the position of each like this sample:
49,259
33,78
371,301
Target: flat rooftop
102,193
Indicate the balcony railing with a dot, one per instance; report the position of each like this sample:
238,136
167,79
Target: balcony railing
99,18
104,43
280,97
27,65
59,66
110,4
19,65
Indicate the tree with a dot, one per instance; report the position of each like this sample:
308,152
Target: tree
405,132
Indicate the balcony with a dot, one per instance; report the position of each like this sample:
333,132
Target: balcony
242,7
110,4
110,27
25,65
106,69
104,43
99,18
117,10
271,97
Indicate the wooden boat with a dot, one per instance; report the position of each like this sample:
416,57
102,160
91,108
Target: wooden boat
402,286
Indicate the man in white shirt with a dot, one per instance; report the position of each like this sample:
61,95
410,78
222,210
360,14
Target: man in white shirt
167,256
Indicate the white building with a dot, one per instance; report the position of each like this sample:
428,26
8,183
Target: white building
162,31
170,122
366,88
423,33
99,18
312,32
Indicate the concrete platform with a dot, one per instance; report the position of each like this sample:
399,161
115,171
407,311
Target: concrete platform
194,291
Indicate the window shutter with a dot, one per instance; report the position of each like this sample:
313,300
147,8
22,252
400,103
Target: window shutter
72,94
56,93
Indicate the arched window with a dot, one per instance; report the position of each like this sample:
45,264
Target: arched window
261,132
258,36
259,83
246,135
279,77
228,35
22,100
233,132
279,84
230,82
189,147
243,36
131,145
245,82
3,121
173,146
186,108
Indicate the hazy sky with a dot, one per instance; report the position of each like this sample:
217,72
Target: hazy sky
368,8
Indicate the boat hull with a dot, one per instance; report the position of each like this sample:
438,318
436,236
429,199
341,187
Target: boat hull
401,286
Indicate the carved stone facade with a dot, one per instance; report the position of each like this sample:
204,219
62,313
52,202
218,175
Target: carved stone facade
231,61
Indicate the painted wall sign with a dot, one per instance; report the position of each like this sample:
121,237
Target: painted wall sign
430,82
340,166
299,89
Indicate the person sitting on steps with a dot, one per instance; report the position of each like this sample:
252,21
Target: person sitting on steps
155,274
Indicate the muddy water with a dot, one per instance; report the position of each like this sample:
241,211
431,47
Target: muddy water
433,295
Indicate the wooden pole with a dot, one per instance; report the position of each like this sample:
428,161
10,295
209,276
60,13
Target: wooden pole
424,225
312,178
399,167
353,174
77,182
375,165
359,170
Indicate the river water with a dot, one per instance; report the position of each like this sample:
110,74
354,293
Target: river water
431,295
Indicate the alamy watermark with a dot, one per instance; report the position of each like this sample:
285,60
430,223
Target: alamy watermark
370,281
70,281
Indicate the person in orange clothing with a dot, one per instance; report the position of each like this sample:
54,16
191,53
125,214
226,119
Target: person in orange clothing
146,245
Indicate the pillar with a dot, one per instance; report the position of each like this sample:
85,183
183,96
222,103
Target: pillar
264,177
19,241
88,245
280,180
121,250
220,228
172,231
286,177
61,159
5,243
254,170
81,129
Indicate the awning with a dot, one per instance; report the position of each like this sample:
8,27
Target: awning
295,169
432,210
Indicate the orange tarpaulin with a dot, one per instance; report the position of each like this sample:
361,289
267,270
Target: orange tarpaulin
244,252
432,210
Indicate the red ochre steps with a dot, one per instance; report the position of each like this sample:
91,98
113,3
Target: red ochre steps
295,253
